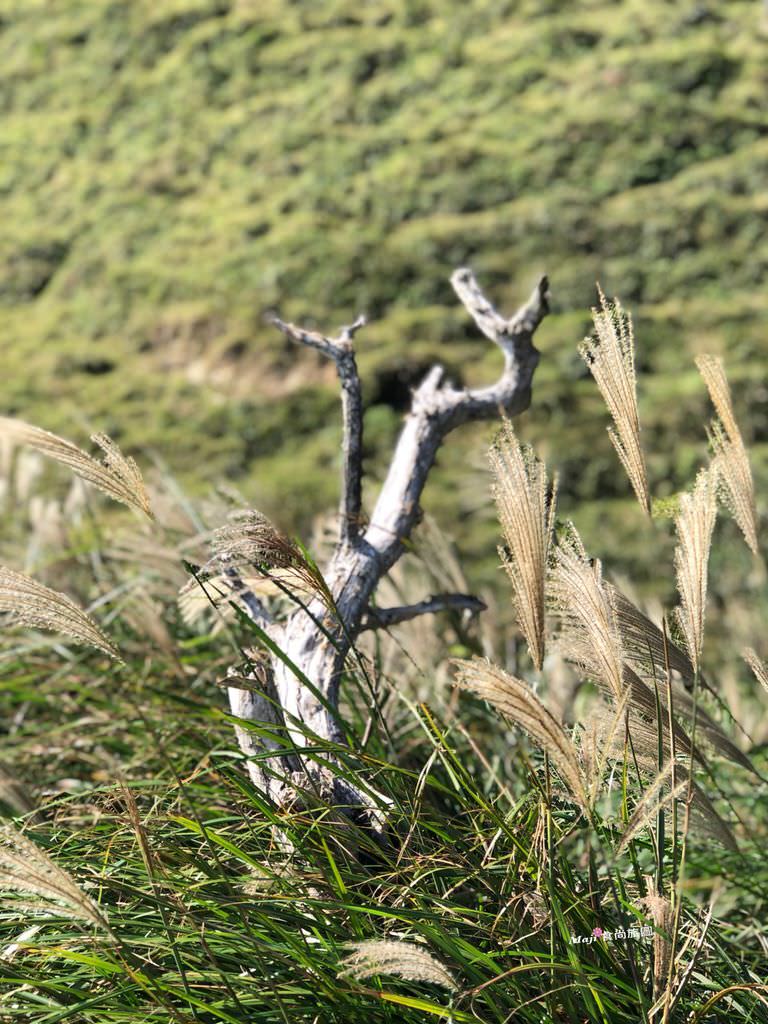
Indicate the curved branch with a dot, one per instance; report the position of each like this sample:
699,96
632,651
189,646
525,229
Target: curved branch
438,409
504,332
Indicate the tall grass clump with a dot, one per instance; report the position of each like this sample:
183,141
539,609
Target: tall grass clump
600,862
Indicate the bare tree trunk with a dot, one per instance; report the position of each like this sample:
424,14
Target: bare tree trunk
317,638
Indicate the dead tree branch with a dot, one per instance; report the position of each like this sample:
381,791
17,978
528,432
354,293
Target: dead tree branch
437,409
383,618
317,637
341,351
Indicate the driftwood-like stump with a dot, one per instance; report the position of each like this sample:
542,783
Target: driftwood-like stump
318,636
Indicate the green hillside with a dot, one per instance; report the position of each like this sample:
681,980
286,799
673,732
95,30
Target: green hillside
172,171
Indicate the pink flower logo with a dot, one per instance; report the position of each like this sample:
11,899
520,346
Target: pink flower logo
597,932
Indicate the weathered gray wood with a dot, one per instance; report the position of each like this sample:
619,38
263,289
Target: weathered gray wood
342,352
318,641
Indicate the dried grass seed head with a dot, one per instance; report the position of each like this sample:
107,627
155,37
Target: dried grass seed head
526,508
644,644
589,635
610,356
713,373
27,869
662,915
600,739
758,666
650,803
250,539
403,959
736,484
649,653
515,699
117,476
694,525
30,603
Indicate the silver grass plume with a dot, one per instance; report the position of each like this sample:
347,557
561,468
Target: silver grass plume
30,603
403,959
759,669
515,699
598,741
694,524
737,487
250,539
645,727
704,818
27,869
590,636
591,639
117,476
649,805
643,734
610,357
526,510
707,728
644,643
649,652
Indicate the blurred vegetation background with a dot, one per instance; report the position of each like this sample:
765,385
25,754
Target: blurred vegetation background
173,171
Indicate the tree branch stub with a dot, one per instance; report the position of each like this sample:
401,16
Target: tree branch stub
341,351
383,618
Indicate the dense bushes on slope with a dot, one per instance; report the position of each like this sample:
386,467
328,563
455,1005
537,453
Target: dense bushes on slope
173,171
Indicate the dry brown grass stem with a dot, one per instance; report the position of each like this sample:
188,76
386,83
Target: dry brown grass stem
30,603
698,938
660,909
526,509
736,484
694,524
515,699
116,475
590,636
134,817
27,869
611,359
403,959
